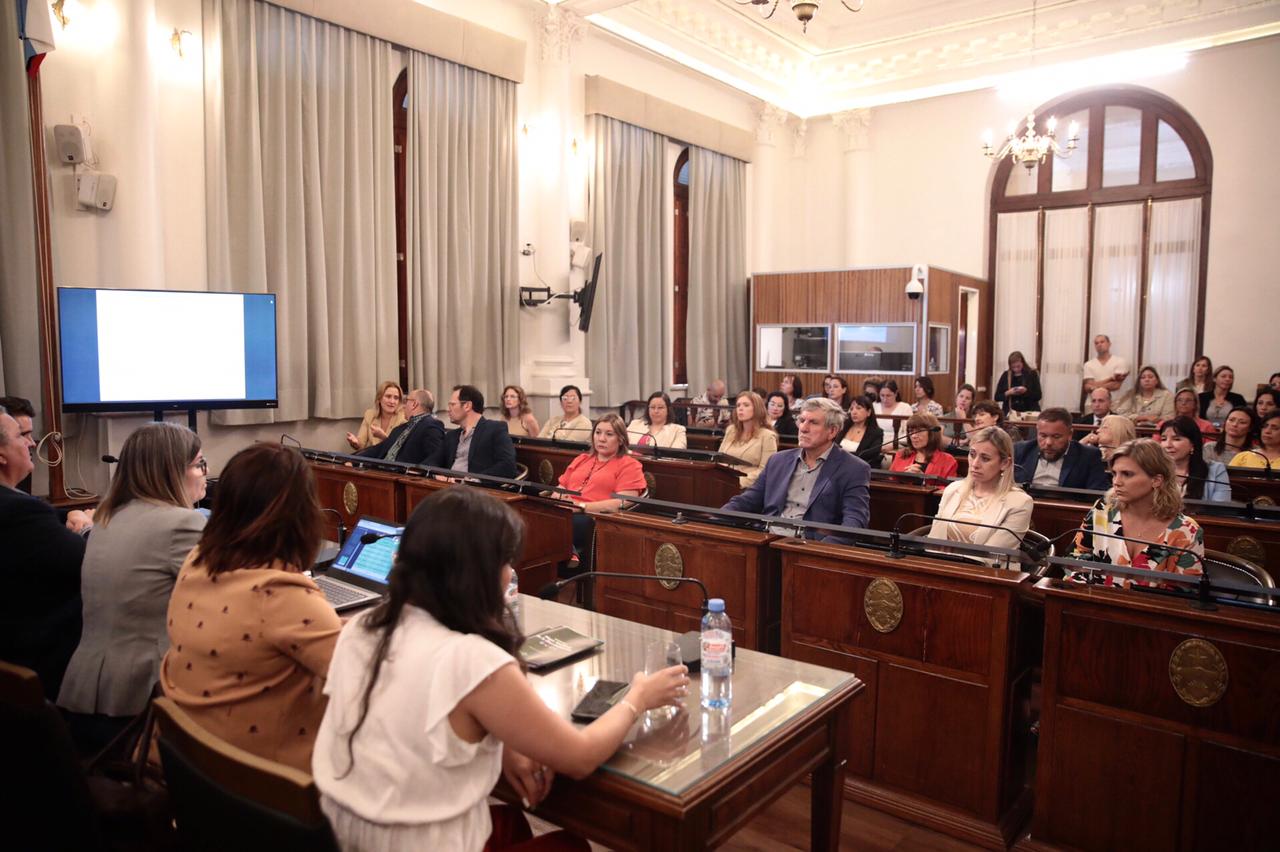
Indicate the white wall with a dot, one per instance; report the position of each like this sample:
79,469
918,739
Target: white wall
929,188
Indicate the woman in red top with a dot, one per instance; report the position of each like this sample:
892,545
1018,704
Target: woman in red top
925,454
609,468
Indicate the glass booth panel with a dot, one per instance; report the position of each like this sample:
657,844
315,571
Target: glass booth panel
938,348
885,348
802,348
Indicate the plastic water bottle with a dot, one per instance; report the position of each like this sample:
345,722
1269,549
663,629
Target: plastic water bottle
512,598
717,657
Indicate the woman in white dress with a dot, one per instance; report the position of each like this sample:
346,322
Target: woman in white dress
429,704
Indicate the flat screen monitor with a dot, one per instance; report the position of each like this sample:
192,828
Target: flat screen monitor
154,350
586,297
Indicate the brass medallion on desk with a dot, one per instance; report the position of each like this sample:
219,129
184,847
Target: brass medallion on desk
688,782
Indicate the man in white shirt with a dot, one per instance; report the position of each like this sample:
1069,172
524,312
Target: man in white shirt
1106,370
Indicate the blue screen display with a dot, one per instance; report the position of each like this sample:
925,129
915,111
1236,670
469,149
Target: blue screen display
139,349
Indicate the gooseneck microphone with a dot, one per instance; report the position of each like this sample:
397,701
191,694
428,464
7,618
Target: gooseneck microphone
690,642
371,537
110,459
342,528
1036,550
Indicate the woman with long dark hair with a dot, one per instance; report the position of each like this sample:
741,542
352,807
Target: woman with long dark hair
1019,386
428,702
1200,480
1238,434
778,415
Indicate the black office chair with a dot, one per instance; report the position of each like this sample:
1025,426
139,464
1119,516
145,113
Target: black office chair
680,410
226,798
1227,566
632,410
49,804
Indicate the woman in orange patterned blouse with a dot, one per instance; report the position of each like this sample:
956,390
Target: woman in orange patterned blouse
1144,503
250,637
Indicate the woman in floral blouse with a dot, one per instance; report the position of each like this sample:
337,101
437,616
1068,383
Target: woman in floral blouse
1144,503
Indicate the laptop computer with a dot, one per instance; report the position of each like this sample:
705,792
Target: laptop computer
358,575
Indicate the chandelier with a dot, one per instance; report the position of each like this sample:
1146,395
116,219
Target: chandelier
1031,148
804,9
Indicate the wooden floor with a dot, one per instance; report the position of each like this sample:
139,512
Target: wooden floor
785,826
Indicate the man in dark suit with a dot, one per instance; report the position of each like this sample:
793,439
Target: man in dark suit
1052,459
477,445
24,412
40,610
817,482
419,440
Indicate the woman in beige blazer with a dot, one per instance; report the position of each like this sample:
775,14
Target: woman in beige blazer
749,438
655,429
987,495
142,533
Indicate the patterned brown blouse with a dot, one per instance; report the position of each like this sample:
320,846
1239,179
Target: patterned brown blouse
248,653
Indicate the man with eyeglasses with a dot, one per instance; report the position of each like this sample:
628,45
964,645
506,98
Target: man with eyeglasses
40,613
419,440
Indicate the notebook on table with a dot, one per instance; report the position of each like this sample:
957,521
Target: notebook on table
555,645
358,575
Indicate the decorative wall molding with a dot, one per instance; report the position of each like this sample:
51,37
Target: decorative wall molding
800,143
560,30
855,128
769,120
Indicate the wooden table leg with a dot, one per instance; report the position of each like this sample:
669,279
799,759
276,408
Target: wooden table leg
826,804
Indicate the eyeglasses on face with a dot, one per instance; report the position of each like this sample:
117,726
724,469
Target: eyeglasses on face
202,464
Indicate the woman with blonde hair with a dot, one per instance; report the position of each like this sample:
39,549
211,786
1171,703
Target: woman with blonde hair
1144,505
142,534
378,421
749,437
987,495
1114,431
517,413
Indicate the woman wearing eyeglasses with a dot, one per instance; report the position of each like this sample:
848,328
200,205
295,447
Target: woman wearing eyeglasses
141,535
573,425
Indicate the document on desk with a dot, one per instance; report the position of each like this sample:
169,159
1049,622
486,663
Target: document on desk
554,645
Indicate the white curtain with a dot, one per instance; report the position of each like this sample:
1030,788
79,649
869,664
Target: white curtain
299,181
1016,272
1117,284
718,303
462,206
1066,277
628,333
1173,258
19,345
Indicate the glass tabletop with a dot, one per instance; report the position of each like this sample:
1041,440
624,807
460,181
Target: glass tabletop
674,750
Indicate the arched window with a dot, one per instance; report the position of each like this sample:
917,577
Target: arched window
680,277
1112,240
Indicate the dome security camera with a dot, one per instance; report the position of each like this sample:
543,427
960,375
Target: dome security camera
915,287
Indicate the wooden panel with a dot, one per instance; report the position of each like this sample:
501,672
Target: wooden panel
1114,663
932,750
735,565
1118,785
1234,788
377,494
891,500
866,295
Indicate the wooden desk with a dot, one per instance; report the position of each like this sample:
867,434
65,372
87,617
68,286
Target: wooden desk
1125,761
353,492
691,783
696,483
941,738
548,529
892,500
737,565
1257,541
1264,491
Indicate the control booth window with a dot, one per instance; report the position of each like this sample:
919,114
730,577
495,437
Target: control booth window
800,348
885,348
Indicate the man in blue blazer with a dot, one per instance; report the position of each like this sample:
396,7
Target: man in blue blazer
817,482
1053,459
477,445
419,440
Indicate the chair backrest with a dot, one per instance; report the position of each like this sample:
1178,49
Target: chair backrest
48,805
226,798
680,410
629,411
1221,565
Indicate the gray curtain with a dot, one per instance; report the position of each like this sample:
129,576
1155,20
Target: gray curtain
299,181
19,285
462,201
629,332
718,300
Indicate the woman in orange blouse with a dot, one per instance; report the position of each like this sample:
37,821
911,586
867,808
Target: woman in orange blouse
250,637
925,454
609,468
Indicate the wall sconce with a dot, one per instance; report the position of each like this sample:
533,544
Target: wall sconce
59,15
573,147
175,40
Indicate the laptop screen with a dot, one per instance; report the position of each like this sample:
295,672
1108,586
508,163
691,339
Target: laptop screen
371,561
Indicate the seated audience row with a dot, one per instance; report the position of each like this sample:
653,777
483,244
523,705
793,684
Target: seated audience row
1266,455
477,445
